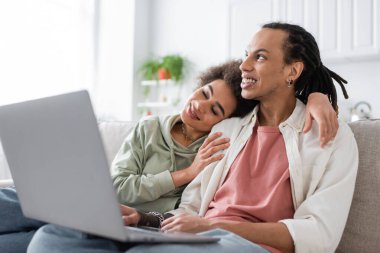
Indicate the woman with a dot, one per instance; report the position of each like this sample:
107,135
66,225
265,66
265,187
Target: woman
156,160
298,193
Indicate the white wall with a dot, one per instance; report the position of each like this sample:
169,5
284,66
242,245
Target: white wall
45,48
114,63
196,29
199,29
363,83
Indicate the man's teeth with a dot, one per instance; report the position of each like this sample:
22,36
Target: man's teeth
249,80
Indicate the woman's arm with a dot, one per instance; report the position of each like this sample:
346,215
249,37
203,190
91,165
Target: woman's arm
133,186
318,107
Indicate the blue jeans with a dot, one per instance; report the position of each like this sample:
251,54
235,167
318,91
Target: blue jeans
54,239
16,230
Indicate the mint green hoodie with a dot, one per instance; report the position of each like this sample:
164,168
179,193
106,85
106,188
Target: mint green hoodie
142,167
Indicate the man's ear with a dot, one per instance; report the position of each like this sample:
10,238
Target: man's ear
296,69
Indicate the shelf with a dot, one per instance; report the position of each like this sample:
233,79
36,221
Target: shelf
157,82
154,104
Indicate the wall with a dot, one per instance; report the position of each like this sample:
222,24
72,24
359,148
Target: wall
196,29
114,60
199,29
364,81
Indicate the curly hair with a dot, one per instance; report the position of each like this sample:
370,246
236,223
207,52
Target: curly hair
231,74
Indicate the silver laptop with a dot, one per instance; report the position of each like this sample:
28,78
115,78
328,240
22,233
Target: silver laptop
59,167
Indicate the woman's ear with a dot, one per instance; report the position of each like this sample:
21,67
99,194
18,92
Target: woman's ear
296,69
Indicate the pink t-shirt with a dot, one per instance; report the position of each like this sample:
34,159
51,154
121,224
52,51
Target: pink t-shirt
257,187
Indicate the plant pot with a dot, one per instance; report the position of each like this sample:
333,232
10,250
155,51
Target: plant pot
163,74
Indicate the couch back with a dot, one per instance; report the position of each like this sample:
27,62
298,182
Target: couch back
113,134
362,231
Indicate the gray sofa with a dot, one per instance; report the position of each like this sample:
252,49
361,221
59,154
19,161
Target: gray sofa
362,232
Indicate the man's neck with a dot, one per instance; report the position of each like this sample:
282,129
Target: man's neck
272,114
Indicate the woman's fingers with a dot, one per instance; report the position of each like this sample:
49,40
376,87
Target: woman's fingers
130,215
308,122
213,158
126,210
132,219
212,150
211,138
216,145
328,130
335,124
217,142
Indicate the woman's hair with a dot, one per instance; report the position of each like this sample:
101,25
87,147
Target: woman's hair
231,74
300,45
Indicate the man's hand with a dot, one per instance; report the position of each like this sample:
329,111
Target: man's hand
186,223
130,215
319,108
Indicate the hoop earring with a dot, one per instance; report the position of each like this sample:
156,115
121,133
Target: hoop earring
290,83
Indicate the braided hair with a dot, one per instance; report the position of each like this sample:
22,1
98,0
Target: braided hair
300,45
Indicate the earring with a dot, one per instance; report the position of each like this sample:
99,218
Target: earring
290,83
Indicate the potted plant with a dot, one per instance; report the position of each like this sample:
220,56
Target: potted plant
167,67
150,68
172,66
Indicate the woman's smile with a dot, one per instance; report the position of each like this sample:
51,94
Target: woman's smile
191,112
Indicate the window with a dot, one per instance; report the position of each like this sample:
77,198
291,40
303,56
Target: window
46,48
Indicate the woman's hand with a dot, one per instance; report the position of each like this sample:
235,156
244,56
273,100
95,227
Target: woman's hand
130,215
205,156
318,107
206,153
186,223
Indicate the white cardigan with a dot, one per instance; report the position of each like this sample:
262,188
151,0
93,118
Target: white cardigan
322,179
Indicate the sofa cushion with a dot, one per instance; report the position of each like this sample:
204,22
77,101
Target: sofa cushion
362,231
113,134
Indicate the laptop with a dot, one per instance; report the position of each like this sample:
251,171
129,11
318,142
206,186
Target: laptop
57,160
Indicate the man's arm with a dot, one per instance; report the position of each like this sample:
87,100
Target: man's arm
275,235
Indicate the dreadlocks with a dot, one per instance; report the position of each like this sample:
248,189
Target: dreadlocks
301,46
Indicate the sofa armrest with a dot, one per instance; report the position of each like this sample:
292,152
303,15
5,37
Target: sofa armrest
6,183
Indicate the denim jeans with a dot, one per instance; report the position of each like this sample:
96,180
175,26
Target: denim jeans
55,239
16,230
